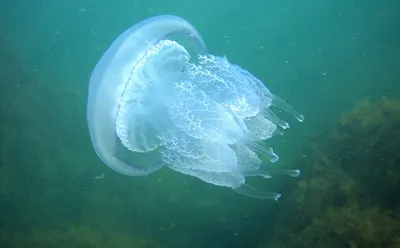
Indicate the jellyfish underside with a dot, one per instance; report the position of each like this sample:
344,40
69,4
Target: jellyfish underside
210,130
202,116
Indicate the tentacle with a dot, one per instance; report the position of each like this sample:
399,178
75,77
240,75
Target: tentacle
280,103
247,190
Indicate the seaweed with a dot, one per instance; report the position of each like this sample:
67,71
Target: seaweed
348,193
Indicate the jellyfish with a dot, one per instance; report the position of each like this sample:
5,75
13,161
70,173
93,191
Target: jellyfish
158,99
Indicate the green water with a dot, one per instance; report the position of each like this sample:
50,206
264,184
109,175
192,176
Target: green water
320,56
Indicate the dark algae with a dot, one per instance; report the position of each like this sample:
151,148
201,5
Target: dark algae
348,195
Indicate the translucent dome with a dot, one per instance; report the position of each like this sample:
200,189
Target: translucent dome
157,99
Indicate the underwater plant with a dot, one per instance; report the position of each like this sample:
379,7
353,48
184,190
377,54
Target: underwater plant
348,194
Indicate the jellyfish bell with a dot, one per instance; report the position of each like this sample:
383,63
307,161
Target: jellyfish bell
156,98
109,79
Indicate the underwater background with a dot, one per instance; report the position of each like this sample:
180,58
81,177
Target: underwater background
336,62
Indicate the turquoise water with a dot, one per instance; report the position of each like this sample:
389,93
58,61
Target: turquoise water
321,56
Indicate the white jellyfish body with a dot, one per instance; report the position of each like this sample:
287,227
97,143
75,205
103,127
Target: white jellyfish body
111,77
156,98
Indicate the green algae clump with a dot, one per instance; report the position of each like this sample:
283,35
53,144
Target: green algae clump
348,193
